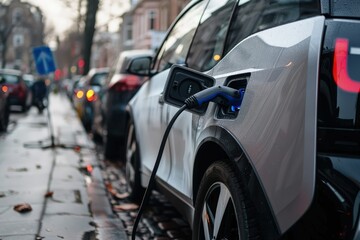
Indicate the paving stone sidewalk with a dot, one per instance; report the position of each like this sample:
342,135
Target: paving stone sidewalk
160,221
61,180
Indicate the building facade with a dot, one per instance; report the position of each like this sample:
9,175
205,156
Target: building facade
105,49
144,26
21,29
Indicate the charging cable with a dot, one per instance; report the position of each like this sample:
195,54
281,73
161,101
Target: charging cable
222,95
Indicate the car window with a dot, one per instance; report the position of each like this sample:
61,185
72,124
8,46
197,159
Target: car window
98,79
8,78
175,48
208,44
252,16
119,66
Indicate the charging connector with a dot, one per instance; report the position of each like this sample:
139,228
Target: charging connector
222,95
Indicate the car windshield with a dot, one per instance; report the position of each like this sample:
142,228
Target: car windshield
8,78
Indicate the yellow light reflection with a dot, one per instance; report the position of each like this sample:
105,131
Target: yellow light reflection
73,69
217,57
80,94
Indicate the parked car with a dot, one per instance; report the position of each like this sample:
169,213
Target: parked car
286,164
29,79
110,124
86,92
4,106
19,93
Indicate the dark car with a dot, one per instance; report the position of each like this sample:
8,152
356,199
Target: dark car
19,93
4,106
110,108
86,92
283,162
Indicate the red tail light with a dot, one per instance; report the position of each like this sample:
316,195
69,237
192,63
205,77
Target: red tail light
340,69
4,89
128,83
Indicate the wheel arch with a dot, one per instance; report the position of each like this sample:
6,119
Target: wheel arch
216,143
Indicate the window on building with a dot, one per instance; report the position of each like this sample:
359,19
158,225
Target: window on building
16,16
128,31
152,19
18,40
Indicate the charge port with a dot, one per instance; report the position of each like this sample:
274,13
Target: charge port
239,83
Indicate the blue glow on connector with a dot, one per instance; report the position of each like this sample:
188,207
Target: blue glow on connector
235,108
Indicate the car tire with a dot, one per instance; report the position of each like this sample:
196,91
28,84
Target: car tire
87,119
96,136
111,147
23,107
133,176
4,120
216,220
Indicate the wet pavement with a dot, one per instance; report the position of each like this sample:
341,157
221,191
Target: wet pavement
73,192
61,180
160,220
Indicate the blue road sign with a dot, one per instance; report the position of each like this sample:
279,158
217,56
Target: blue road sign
44,60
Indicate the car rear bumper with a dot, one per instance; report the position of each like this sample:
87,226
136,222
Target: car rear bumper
12,100
117,121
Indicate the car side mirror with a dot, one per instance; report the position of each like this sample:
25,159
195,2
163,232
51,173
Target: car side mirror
184,82
140,66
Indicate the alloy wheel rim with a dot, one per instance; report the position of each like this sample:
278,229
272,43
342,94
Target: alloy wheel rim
218,217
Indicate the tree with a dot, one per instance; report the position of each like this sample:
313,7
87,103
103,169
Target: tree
5,33
90,20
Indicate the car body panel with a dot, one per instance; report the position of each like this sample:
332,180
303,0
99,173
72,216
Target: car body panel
276,125
277,115
152,114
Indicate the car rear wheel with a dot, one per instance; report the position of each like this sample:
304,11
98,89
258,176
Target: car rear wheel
111,147
222,210
4,119
133,165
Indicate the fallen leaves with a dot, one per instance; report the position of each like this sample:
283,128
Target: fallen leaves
77,149
49,194
23,207
126,207
114,193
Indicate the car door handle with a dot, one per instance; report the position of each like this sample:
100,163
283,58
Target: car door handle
161,99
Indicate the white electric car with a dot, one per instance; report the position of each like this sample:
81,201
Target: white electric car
286,163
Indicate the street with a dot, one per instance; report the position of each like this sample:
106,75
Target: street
72,192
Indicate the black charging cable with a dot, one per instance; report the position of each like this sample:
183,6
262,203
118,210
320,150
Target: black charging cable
150,186
220,94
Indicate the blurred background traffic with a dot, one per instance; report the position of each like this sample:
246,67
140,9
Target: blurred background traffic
92,42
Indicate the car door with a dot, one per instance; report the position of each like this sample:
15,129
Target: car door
151,110
205,52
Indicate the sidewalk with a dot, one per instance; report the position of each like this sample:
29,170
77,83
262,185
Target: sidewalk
62,184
